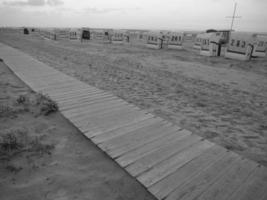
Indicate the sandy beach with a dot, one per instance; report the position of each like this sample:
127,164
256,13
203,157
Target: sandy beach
220,99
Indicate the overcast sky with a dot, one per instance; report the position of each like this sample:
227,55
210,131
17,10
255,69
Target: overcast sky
136,14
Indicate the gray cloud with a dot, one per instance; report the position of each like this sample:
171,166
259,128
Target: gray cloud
34,3
95,10
108,10
55,2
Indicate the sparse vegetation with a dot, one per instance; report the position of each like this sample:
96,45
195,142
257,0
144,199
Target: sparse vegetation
21,99
37,147
38,102
15,141
47,105
10,142
14,169
6,110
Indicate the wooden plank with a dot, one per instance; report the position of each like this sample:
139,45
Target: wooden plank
41,74
101,120
173,163
67,98
95,109
134,137
61,88
85,102
82,98
152,159
61,85
134,155
60,93
254,187
139,141
94,104
45,75
68,92
230,181
61,96
130,118
27,61
31,65
42,86
96,117
59,81
194,187
74,97
42,81
119,131
98,130
164,187
117,120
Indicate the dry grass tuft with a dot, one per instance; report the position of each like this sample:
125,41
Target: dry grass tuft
15,141
46,103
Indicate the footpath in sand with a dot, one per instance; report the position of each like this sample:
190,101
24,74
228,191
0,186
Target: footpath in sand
172,163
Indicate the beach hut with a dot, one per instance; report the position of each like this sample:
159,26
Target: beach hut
188,36
119,37
241,46
224,36
154,40
165,36
126,37
74,34
175,40
48,33
210,44
137,37
85,34
197,41
25,31
62,33
261,46
101,35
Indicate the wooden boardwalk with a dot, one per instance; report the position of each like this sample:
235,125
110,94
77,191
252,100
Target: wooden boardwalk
172,163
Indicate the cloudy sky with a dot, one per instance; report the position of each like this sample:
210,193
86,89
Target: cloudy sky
136,14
